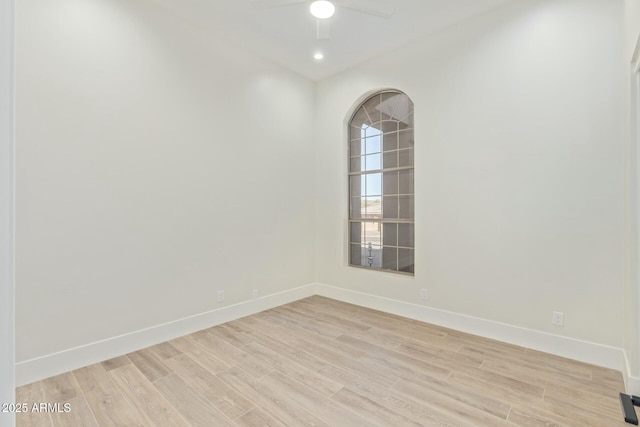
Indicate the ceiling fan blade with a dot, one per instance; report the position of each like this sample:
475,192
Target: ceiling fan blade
268,4
322,29
371,7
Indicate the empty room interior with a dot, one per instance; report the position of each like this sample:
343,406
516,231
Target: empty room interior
240,213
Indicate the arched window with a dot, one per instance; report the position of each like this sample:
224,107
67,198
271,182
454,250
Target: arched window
381,195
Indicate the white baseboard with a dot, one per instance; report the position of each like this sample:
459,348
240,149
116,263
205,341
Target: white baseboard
53,364
588,352
633,385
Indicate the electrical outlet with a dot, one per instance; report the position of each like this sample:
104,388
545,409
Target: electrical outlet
220,296
423,293
558,318
254,294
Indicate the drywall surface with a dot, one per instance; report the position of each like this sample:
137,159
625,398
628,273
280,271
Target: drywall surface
7,333
632,25
631,79
155,167
519,176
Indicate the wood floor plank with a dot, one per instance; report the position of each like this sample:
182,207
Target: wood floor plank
498,386
532,376
391,338
311,379
79,414
445,394
116,362
524,417
145,397
193,373
232,334
229,401
583,398
386,396
61,388
189,402
108,405
465,409
302,396
232,355
293,331
29,395
209,386
330,317
373,412
165,350
258,418
271,336
427,365
280,407
325,321
149,363
200,354
306,324
572,415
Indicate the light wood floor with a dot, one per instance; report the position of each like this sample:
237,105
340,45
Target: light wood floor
325,363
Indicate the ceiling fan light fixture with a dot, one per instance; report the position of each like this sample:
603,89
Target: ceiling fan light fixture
322,9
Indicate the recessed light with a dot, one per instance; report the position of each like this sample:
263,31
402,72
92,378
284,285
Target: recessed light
322,9
318,56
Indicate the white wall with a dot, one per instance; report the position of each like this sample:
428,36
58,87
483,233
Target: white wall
632,26
519,168
631,102
154,168
7,344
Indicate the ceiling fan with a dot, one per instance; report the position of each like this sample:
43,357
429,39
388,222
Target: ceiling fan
324,9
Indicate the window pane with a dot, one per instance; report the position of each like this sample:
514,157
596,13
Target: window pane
373,207
355,147
374,184
390,207
406,207
390,183
405,260
405,235
357,255
360,119
372,144
390,234
390,160
390,258
357,207
356,232
372,256
405,158
389,126
355,132
406,181
389,104
355,164
406,139
373,162
390,141
371,131
372,233
357,185
406,122
373,108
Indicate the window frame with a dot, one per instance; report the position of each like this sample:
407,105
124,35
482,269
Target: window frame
354,171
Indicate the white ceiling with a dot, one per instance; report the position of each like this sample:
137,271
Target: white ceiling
287,35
